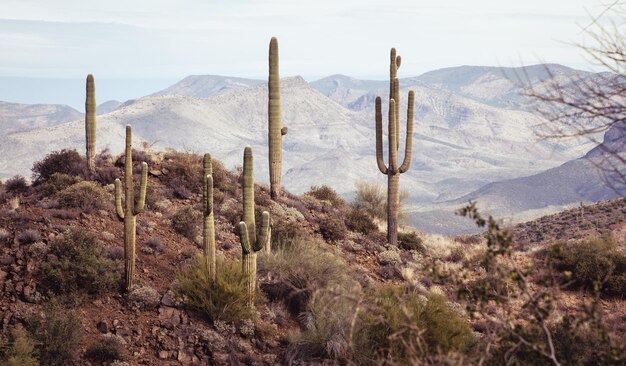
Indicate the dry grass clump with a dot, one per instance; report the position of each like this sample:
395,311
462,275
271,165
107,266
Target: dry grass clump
326,193
225,299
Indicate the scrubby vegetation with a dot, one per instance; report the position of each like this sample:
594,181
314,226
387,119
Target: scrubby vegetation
86,196
80,264
68,162
223,299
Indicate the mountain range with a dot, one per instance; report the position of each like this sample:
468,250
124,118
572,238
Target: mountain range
473,127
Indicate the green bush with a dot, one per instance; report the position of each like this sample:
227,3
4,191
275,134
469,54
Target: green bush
107,350
410,241
65,161
86,196
81,263
56,183
58,335
359,221
16,184
225,299
20,351
186,222
333,228
590,263
325,193
404,327
299,270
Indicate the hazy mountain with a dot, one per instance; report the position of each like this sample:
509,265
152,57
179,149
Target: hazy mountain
15,117
108,106
460,143
202,86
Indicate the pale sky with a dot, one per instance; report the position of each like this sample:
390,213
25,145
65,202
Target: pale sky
172,39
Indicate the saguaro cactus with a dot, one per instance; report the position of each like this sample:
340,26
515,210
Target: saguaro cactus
275,132
393,171
131,209
90,123
251,241
208,227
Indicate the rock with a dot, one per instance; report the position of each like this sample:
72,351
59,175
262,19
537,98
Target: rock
116,338
246,328
169,317
147,250
164,355
170,300
389,257
103,326
144,297
213,340
3,275
7,259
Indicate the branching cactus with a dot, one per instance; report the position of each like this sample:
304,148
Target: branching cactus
90,123
251,241
276,131
393,171
208,226
131,209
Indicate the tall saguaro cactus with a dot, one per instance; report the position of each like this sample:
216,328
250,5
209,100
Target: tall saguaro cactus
251,241
276,131
393,171
90,123
208,226
131,209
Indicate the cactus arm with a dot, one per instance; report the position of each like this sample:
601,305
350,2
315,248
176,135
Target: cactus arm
393,148
396,98
244,238
283,131
379,138
141,202
398,62
118,199
408,150
262,236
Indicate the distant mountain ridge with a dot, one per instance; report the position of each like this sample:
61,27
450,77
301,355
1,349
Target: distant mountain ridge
464,139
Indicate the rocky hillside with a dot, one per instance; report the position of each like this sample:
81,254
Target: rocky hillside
327,260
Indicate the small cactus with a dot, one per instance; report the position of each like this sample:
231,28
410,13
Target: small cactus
208,227
251,241
393,171
131,209
90,123
275,131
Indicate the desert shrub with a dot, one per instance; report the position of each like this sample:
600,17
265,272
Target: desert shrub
410,241
326,193
107,350
223,299
184,173
332,228
28,236
592,262
327,325
371,198
65,161
58,335
284,233
403,326
86,196
56,183
139,157
299,270
359,221
81,264
5,235
19,351
185,221
156,244
16,184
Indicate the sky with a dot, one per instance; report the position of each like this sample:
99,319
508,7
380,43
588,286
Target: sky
167,40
